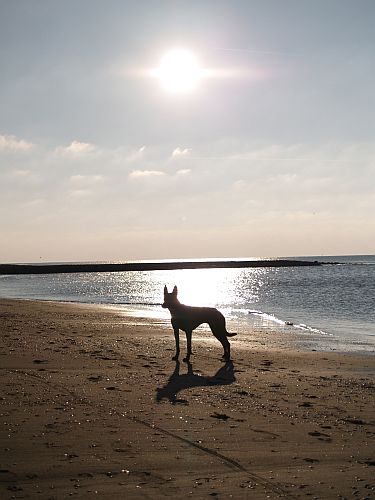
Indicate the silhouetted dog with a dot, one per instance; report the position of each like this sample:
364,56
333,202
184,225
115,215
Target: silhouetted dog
188,318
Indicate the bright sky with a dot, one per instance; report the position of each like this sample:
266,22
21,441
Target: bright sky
171,129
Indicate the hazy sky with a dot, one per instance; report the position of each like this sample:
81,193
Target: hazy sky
272,154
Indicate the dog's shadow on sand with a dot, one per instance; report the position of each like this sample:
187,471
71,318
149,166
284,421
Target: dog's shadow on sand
178,382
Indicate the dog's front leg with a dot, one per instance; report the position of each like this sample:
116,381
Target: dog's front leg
176,332
188,341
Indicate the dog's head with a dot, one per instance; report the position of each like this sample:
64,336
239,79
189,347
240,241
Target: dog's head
170,299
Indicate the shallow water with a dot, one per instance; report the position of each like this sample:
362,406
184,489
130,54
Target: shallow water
327,307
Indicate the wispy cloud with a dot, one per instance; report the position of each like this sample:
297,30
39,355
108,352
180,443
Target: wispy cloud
21,173
178,152
76,148
80,193
143,174
183,171
12,143
136,155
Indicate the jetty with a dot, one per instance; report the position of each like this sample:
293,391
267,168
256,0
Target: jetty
148,266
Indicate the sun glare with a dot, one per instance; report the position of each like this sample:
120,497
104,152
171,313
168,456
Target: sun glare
179,71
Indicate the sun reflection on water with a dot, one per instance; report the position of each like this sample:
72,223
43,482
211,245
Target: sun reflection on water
217,287
208,288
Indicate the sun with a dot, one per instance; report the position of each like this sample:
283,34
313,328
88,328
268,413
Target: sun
179,71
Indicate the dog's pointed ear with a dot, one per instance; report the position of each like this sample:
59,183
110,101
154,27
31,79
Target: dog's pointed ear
165,290
174,290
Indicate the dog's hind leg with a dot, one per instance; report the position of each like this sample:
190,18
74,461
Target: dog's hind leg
220,332
188,342
226,346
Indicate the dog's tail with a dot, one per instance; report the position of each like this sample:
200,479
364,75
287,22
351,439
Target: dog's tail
230,334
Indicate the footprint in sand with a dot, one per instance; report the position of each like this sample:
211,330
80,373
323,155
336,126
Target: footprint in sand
321,436
220,416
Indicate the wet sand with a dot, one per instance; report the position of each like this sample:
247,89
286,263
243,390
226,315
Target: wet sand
93,406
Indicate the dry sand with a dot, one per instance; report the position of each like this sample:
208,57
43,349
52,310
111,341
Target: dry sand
93,406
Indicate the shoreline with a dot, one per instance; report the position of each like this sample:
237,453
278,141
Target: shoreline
93,404
311,340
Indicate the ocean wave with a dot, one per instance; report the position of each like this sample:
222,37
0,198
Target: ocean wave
274,319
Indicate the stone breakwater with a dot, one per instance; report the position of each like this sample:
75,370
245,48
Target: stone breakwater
147,266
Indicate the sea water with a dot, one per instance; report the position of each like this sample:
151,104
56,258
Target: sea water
330,307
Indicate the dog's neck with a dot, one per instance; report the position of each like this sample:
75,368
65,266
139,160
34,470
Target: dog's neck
174,305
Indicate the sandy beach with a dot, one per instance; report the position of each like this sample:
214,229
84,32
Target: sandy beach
92,405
